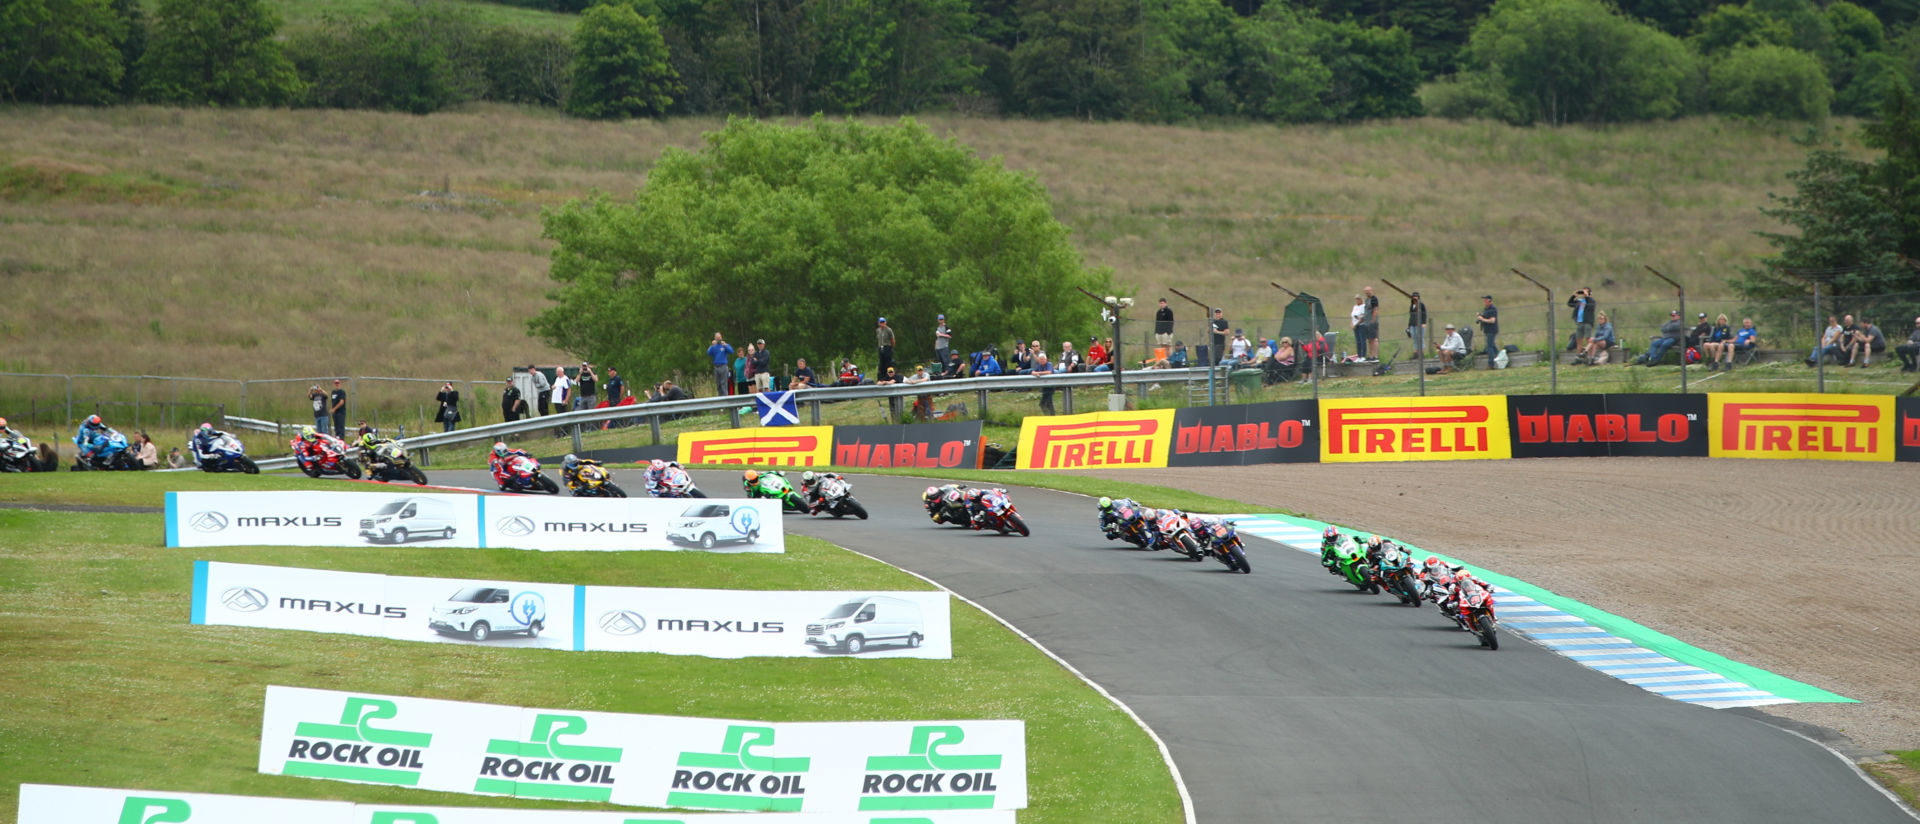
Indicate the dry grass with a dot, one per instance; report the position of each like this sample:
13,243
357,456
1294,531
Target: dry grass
305,243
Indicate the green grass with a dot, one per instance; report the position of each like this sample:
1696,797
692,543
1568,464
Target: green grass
1903,774
108,685
299,14
150,488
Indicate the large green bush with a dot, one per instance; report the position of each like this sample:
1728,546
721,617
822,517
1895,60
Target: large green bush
1580,61
1769,81
620,66
60,51
217,52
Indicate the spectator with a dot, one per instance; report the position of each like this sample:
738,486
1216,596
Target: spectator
542,390
1219,335
849,374
719,354
942,340
319,401
1284,365
666,391
1371,346
1701,331
1042,368
1417,322
1744,340
762,367
1842,348
989,365
1584,311
1108,358
339,409
1867,340
1672,333
1451,348
1178,358
1069,360
1718,346
586,388
1022,362
175,460
1358,323
1163,324
1239,350
741,360
562,394
803,374
146,453
1489,320
1096,354
887,378
50,457
1909,352
883,338
616,387
919,375
1599,343
449,413
1829,342
512,406
955,367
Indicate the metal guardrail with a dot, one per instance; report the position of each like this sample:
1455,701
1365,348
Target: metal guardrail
804,397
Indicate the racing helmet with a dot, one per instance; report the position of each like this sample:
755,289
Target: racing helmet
94,420
3,423
366,440
1373,542
1330,535
204,426
657,465
931,493
306,433
500,449
1106,503
1221,529
749,476
1431,561
1148,514
569,460
806,477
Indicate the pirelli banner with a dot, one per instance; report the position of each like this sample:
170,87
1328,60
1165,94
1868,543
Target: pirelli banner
1096,440
1468,427
920,445
844,768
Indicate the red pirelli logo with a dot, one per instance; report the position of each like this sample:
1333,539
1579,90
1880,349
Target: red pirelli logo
1092,441
1414,429
1848,427
774,446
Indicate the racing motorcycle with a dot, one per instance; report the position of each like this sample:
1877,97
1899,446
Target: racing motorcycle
596,481
676,483
1476,614
389,462
951,508
1133,529
226,454
1395,569
774,485
16,455
1352,562
836,499
1227,548
326,456
1176,534
521,473
110,452
997,512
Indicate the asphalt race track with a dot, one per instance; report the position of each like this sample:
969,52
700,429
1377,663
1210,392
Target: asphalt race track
1286,695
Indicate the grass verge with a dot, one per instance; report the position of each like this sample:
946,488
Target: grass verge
151,488
1902,774
108,685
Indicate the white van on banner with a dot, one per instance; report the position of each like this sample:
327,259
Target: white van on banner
545,522
714,623
54,804
612,524
907,768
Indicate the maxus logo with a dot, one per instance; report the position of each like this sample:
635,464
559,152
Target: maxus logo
342,607
139,810
623,622
1763,426
207,522
303,521
1095,440
1415,429
543,767
732,779
355,750
514,526
928,779
244,599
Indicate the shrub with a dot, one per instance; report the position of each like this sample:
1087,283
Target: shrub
1770,81
1572,61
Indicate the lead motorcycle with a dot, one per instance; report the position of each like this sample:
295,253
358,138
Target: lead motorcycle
521,473
592,480
836,499
676,483
1227,549
1132,528
1476,615
950,507
226,454
1395,569
389,462
997,512
1351,561
772,484
325,455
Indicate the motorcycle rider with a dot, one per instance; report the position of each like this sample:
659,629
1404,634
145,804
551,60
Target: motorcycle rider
497,462
88,427
1328,541
935,494
201,444
98,443
370,443
1150,526
570,469
751,481
655,477
1110,518
983,503
810,482
9,432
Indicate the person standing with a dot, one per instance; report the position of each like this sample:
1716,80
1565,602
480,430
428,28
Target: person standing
1371,320
1583,313
1358,323
588,386
319,401
449,399
742,370
339,410
1042,369
562,395
541,388
512,406
1489,319
883,337
1417,322
719,354
1219,335
762,367
1163,324
616,387
942,340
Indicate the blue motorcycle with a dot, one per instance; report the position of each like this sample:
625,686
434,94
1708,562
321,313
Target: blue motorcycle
1395,571
105,450
1224,544
225,454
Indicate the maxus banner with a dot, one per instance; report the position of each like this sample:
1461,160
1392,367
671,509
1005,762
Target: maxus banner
52,804
1826,427
1467,427
616,524
774,446
1096,440
917,767
711,623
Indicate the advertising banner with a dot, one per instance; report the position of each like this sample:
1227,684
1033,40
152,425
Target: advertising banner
1908,412
1575,426
1096,440
705,622
51,804
1465,427
645,760
618,524
1260,433
920,445
1824,427
778,446
321,519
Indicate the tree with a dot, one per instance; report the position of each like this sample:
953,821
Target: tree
216,52
803,235
1574,61
1276,73
620,66
1770,81
1375,72
60,51
1730,27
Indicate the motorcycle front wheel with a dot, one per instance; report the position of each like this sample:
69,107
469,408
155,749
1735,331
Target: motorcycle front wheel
1489,637
352,468
419,478
1013,518
247,465
1240,560
614,491
854,507
547,484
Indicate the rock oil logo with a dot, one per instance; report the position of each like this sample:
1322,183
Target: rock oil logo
1414,429
1827,427
928,779
355,750
544,767
139,810
735,778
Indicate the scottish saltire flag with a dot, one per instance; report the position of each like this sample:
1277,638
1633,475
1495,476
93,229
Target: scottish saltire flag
777,410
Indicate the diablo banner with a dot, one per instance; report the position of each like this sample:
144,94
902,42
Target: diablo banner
321,519
777,446
50,804
616,524
1572,426
1096,440
703,622
1258,433
1824,427
1908,411
1467,427
645,760
921,445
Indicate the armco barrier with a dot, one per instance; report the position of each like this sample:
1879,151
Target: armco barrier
646,760
51,804
704,622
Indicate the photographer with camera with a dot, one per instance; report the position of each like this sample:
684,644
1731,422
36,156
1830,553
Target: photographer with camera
589,388
449,399
1584,307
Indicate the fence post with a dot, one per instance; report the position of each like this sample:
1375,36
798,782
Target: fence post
815,405
69,401
653,423
1067,398
1553,340
139,399
983,403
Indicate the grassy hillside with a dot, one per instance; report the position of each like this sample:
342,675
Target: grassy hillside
304,243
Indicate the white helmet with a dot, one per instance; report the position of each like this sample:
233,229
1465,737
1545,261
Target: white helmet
570,459
657,465
500,449
806,477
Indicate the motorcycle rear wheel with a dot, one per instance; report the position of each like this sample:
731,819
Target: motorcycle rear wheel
312,470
